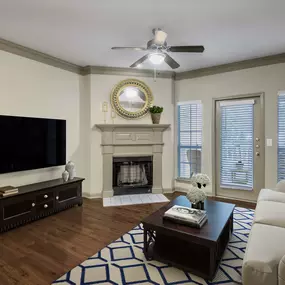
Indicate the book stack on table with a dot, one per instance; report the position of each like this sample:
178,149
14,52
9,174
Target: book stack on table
188,216
8,191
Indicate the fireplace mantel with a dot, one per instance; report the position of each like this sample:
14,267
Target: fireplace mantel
112,127
131,140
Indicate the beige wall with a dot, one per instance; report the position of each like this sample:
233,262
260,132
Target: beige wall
30,88
267,79
101,87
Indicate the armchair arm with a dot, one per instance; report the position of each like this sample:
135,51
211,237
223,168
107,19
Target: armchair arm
281,271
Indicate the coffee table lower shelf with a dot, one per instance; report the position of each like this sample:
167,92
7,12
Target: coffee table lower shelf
197,258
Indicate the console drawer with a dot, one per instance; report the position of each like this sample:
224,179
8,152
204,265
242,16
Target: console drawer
45,196
48,206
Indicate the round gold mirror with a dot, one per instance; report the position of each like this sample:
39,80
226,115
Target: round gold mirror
131,99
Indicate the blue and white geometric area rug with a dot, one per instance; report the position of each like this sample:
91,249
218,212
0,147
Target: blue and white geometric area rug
122,262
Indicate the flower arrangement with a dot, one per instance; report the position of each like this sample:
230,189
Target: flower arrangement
200,180
196,195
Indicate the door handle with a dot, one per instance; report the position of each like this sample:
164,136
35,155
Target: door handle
257,153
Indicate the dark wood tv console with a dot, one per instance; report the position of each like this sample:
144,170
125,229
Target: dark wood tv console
38,200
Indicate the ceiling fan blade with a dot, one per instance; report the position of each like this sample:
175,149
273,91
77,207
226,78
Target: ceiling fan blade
171,62
130,48
186,49
141,60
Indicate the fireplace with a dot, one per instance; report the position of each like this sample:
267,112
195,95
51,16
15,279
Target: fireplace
138,143
132,175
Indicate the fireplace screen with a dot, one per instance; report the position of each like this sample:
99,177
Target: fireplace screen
132,172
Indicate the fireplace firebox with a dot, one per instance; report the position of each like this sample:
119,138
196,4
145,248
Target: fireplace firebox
132,175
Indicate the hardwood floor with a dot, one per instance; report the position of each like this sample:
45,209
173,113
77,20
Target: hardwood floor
40,252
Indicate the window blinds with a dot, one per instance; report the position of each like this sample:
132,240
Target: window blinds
236,145
189,138
281,137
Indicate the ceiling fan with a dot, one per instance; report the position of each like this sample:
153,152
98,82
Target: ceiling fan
158,50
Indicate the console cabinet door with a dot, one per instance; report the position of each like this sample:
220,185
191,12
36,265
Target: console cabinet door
1,214
18,209
68,195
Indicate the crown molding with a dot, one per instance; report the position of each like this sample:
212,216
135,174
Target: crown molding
38,56
239,65
125,71
32,54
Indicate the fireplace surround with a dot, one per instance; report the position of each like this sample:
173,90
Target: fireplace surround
131,141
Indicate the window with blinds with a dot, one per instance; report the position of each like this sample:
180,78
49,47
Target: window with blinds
281,137
189,138
236,144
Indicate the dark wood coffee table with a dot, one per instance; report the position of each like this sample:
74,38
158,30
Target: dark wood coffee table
198,251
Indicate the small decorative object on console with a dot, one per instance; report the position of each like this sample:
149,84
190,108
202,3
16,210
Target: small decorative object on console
8,190
70,168
192,217
155,112
65,175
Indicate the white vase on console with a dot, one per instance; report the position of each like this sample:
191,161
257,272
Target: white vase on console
70,168
65,175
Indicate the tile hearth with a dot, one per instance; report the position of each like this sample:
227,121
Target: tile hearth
134,199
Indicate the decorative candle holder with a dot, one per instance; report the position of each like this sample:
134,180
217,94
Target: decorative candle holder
105,110
113,116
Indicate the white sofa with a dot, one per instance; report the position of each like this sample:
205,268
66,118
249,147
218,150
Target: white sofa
264,260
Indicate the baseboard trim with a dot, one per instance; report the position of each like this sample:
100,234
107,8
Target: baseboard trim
168,190
92,196
107,193
235,199
184,190
179,189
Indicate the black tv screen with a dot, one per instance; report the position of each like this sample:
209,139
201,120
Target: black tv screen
31,143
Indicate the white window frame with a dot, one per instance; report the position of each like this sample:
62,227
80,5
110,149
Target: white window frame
192,102
280,175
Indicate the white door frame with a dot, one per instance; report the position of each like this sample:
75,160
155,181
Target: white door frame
214,130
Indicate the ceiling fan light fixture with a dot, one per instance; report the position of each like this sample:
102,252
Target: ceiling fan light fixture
160,37
156,58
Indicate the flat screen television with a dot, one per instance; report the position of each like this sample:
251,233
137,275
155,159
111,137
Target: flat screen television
31,143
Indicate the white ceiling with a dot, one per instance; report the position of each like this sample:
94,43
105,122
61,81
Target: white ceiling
83,31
